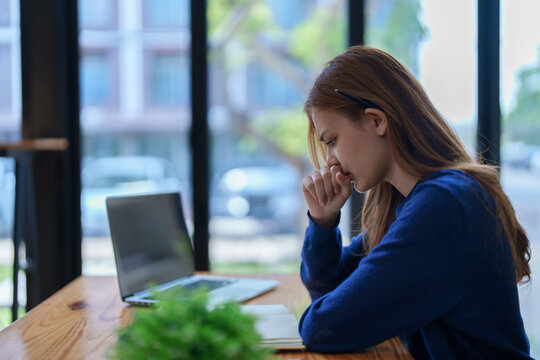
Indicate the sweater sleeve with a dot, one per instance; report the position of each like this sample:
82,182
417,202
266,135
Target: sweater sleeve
410,278
325,262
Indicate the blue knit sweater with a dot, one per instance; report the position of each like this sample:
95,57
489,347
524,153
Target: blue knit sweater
442,278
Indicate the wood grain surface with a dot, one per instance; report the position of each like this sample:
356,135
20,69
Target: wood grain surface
79,322
41,144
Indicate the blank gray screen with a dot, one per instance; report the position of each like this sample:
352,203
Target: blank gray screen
150,239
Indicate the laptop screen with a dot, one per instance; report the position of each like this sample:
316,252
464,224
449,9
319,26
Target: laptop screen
150,240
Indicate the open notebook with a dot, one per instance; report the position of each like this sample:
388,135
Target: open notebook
277,326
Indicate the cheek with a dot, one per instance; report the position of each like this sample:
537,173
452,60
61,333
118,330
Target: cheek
371,165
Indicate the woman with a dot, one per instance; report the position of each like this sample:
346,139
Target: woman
441,251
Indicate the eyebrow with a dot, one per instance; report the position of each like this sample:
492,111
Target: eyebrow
364,102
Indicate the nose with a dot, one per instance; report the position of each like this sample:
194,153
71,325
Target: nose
331,158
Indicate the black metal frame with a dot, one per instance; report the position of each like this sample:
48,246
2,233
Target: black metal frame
489,112
200,144
356,17
50,108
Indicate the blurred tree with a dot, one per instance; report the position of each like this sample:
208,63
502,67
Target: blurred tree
523,121
246,32
395,27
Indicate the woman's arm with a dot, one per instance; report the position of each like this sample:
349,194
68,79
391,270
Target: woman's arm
412,277
325,262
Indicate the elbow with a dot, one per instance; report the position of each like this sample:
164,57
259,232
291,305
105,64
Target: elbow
322,341
309,338
327,334
316,337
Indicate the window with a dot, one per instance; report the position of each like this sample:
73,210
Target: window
4,12
271,88
98,72
166,13
5,78
287,14
167,82
520,138
424,35
98,14
263,58
10,117
135,114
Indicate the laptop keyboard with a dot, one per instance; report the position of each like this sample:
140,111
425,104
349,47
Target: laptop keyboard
208,284
192,286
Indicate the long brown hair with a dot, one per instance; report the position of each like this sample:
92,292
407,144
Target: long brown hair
420,139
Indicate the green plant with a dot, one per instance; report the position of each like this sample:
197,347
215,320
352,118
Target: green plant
187,329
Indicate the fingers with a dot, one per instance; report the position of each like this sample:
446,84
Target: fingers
318,182
344,182
319,185
327,183
334,171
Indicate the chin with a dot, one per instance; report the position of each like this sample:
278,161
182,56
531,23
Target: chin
362,188
359,188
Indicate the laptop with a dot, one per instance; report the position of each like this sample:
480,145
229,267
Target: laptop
152,246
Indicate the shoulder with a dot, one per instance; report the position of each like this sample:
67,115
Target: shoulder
448,194
452,185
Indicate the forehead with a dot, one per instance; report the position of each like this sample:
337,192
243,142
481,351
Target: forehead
324,120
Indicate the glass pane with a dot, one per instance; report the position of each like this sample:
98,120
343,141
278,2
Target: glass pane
168,73
424,35
166,13
10,128
97,13
263,58
4,12
5,77
97,74
135,118
10,71
520,156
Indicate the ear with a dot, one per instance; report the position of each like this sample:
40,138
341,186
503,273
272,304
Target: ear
378,119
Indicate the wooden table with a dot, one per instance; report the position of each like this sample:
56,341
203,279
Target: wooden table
79,321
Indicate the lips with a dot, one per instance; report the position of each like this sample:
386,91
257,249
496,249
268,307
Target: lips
348,174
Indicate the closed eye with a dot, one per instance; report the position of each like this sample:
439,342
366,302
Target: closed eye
330,142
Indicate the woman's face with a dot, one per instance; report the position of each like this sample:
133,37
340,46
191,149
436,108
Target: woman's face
360,146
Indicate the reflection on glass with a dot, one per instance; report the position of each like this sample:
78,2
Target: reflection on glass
520,156
135,112
263,58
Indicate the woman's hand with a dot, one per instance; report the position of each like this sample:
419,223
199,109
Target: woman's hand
326,191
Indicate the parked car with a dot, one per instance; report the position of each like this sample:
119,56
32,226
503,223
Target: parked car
270,195
118,175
